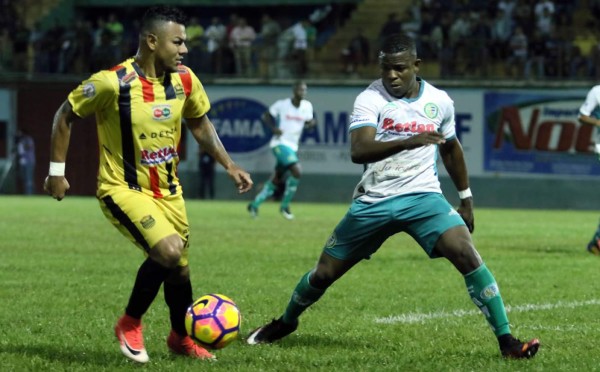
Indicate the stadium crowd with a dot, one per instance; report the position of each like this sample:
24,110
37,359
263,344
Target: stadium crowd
521,39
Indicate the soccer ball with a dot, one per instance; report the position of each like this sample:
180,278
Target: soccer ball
213,321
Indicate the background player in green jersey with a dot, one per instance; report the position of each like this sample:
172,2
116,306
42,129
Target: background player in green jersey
139,106
397,126
287,118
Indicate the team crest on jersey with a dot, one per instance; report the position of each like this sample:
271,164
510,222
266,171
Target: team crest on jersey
89,90
179,91
161,112
431,110
127,78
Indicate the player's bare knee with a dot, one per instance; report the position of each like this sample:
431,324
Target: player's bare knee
168,251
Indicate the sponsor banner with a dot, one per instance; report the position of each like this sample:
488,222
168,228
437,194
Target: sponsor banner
236,113
537,133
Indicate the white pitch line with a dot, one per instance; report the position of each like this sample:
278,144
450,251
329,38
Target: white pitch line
410,318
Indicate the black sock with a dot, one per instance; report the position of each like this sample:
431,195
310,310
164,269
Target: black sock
149,278
178,297
505,340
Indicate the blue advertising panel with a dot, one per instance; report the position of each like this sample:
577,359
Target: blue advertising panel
537,133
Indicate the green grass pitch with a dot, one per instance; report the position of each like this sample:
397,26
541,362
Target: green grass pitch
66,274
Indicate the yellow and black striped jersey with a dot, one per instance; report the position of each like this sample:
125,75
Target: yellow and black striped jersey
139,124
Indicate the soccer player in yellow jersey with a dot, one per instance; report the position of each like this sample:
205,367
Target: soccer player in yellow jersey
139,106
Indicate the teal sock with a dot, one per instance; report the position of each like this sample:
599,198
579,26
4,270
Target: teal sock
304,295
266,192
485,294
291,185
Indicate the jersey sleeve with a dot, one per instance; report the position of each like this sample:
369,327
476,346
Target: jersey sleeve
310,113
364,113
93,95
197,103
448,125
591,101
275,108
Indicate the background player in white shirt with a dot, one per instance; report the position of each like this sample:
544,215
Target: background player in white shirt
589,113
397,127
287,119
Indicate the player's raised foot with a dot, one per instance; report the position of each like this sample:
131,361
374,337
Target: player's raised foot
271,332
186,346
594,247
131,341
252,210
286,213
513,348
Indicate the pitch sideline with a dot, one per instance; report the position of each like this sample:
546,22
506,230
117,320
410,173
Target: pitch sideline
410,318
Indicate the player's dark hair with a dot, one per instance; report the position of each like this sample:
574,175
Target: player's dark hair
397,43
161,13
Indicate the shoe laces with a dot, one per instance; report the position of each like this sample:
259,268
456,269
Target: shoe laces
133,334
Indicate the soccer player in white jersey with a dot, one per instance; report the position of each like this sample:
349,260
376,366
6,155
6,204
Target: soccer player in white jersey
287,119
398,125
589,113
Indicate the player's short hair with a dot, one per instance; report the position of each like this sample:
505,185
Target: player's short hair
161,13
398,43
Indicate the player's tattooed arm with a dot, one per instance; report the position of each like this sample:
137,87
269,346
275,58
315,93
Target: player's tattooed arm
205,134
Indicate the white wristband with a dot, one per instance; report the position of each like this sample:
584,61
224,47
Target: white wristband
466,193
56,169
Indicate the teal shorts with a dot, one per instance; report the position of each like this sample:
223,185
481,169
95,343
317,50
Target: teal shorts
364,228
284,156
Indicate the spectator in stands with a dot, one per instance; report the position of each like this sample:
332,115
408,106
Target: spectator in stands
411,22
517,46
535,62
284,52
36,39
105,55
544,22
5,50
477,52
391,26
216,35
269,33
356,53
20,44
554,55
25,160
298,55
508,7
443,47
116,29
241,39
501,30
428,24
84,39
523,16
459,38
584,46
195,44
544,5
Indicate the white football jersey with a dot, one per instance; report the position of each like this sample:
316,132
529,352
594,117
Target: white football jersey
290,119
409,171
591,107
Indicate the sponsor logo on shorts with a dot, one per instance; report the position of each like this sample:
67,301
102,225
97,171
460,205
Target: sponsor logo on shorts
148,222
331,241
89,90
489,292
